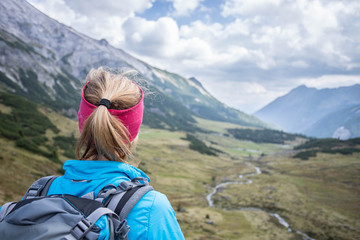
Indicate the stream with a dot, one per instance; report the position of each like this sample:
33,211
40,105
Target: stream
245,180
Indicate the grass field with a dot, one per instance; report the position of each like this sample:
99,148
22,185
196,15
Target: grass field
319,197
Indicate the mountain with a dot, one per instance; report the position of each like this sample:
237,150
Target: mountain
47,62
342,124
319,113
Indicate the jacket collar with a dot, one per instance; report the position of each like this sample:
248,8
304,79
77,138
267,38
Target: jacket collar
81,169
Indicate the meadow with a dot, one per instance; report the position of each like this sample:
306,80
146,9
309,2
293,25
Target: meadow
318,197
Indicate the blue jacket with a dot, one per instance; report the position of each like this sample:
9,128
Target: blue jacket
151,218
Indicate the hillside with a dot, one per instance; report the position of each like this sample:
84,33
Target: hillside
47,62
317,197
318,113
345,121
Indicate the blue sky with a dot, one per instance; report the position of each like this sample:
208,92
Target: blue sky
206,11
246,53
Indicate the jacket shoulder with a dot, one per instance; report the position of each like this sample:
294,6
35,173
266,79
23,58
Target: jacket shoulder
154,218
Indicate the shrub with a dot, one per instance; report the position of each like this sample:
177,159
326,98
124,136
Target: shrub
26,125
330,146
344,151
67,144
263,135
305,155
199,146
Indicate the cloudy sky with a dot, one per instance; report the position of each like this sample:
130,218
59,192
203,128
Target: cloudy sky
246,53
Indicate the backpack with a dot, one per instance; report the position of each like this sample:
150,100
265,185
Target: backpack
68,217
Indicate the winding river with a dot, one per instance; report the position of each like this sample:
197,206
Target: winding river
245,180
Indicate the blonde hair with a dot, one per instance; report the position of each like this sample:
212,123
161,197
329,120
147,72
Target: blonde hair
103,135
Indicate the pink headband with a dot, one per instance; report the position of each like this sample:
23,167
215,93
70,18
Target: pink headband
131,117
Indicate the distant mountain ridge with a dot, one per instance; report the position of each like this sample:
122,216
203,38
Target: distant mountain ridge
319,113
346,123
46,62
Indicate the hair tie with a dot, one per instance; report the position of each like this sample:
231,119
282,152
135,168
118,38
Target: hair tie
105,102
131,117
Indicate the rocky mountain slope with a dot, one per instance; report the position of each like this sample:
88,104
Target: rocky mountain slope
320,113
343,124
46,62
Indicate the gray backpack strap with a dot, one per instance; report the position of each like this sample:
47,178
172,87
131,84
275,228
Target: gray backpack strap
127,195
131,202
40,187
115,199
82,229
117,226
47,185
126,203
125,198
6,209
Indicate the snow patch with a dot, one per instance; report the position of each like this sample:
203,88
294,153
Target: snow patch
342,133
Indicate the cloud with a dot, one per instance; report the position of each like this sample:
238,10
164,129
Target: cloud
98,19
103,8
154,38
308,29
277,44
271,34
330,81
59,10
243,7
243,95
299,64
184,7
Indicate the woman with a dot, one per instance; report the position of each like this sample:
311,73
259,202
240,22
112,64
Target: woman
110,116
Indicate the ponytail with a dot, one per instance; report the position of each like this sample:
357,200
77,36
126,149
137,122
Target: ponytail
103,135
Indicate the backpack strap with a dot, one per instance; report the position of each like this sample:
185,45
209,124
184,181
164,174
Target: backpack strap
126,204
37,189
126,196
121,201
82,229
6,209
40,187
129,200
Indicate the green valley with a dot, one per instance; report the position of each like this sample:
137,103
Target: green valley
318,197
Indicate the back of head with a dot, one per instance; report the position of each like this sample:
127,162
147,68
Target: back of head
103,135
